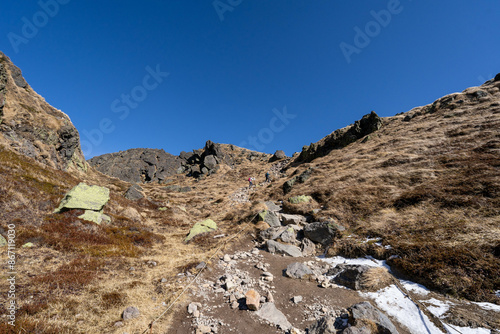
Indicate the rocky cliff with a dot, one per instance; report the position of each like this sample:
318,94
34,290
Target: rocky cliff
30,126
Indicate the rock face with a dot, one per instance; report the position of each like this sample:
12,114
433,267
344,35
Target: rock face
341,138
32,127
152,165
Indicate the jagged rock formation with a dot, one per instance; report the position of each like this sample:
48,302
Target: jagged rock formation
32,127
153,165
341,138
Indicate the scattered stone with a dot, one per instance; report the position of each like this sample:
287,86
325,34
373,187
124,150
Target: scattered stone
227,258
308,247
297,299
252,300
205,226
3,241
289,236
28,245
292,219
203,329
118,324
325,325
270,313
269,297
276,247
130,312
272,207
95,216
298,270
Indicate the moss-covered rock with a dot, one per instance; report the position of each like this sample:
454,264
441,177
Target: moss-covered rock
201,227
300,199
3,241
28,245
84,197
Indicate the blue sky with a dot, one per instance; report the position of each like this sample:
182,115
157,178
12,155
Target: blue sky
267,75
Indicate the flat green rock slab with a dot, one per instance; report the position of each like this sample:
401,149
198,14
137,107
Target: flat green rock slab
300,199
95,216
201,227
85,197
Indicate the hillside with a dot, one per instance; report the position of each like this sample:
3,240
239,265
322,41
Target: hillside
419,190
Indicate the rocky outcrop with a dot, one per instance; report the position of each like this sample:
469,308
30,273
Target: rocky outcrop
341,138
30,126
144,165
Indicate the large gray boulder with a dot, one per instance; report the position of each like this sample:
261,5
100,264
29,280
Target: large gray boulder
322,232
366,311
272,233
279,248
278,155
325,325
298,270
270,313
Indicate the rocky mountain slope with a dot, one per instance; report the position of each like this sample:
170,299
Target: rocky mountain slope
32,127
416,196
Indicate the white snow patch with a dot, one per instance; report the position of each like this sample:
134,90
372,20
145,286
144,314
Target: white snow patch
437,307
497,293
368,260
416,288
394,303
488,306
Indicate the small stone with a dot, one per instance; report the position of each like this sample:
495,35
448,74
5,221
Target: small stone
297,299
227,258
164,280
204,329
118,324
252,300
235,305
130,312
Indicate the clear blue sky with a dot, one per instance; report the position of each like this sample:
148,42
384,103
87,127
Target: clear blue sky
229,67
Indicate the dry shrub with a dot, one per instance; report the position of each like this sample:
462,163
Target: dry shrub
26,324
73,276
112,299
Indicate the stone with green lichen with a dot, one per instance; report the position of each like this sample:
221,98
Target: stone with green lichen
3,241
300,199
28,245
262,216
84,197
201,227
95,216
162,209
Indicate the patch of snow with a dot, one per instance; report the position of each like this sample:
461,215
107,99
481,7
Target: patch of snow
392,301
371,239
466,330
368,260
416,288
497,293
437,307
488,306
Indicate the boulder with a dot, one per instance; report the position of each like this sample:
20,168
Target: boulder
289,236
210,162
134,193
308,247
325,325
322,232
292,219
300,199
276,247
272,233
201,227
272,207
130,312
84,197
252,300
365,311
278,155
270,217
270,313
298,270
96,217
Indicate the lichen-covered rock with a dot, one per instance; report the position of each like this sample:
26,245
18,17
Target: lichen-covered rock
85,197
95,217
201,227
3,241
300,199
